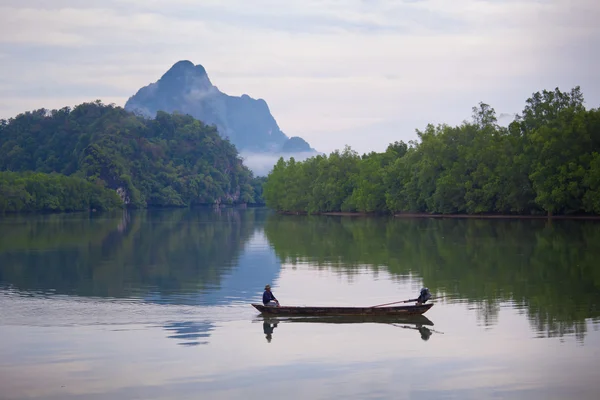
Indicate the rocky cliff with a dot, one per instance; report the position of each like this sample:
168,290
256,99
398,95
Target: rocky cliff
246,122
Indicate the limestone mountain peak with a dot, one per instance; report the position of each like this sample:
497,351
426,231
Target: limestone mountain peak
247,122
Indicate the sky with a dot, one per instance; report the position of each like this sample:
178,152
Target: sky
356,72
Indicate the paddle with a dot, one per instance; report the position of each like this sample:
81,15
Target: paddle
410,327
396,302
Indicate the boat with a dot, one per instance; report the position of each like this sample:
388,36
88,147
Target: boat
416,309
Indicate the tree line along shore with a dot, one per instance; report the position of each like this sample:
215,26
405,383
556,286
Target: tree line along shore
96,156
544,163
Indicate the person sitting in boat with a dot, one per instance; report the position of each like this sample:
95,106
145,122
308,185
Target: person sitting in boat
268,299
423,296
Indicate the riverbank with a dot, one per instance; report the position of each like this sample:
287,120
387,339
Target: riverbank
495,216
454,216
335,213
125,208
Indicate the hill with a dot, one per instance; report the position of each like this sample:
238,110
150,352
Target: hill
171,160
246,122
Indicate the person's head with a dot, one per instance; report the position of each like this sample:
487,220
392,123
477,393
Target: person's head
268,288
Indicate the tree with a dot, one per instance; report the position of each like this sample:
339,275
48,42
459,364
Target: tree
170,161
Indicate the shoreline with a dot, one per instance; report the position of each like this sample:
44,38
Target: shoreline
450,216
497,216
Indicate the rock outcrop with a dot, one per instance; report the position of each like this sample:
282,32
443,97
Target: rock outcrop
246,122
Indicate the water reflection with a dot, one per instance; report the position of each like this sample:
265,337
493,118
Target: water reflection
174,256
104,306
423,330
189,333
548,270
419,323
269,324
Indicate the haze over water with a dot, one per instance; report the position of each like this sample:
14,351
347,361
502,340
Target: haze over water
156,305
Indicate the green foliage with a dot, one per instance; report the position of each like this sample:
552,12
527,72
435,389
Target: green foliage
257,185
317,184
546,161
52,192
170,161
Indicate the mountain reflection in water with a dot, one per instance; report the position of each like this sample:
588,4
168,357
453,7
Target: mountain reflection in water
189,333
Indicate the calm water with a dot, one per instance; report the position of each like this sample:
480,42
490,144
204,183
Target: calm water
155,305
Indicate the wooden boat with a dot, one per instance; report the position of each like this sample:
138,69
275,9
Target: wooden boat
366,311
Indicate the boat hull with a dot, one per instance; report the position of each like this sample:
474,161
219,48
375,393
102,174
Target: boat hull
337,311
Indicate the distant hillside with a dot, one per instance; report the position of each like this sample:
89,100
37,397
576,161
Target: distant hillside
171,160
246,122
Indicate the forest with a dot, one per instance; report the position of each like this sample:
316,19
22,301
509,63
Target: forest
81,158
545,162
34,191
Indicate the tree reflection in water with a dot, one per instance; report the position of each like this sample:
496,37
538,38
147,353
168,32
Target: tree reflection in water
550,270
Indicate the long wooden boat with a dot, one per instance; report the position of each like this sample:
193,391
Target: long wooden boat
367,311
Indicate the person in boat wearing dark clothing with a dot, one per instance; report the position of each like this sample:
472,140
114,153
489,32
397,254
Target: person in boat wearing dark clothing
268,299
423,296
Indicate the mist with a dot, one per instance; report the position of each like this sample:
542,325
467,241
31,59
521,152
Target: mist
262,163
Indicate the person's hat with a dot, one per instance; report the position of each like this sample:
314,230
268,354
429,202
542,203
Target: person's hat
267,287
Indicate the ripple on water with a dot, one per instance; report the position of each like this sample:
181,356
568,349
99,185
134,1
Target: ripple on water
62,310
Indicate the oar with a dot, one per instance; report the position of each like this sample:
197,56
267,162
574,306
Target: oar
396,302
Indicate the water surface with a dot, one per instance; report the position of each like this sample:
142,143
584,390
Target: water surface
155,305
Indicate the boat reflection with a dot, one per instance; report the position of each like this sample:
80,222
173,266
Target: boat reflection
419,323
269,324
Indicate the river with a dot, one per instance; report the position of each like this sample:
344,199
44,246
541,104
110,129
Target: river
155,304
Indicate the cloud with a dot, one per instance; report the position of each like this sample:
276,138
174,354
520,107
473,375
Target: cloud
332,72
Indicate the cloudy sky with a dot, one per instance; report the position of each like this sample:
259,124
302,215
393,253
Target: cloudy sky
362,73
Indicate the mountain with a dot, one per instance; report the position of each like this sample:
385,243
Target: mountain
246,122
